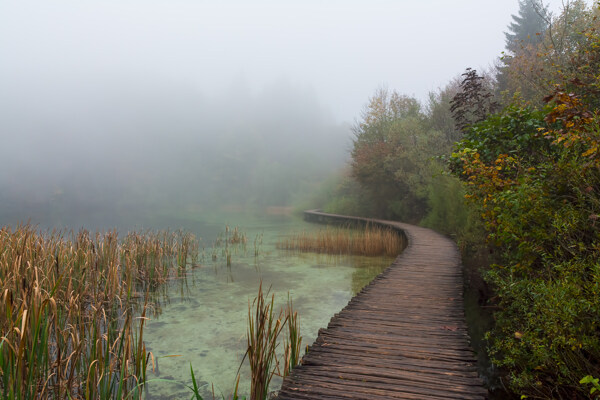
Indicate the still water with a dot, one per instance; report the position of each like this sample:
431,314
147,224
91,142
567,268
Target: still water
203,321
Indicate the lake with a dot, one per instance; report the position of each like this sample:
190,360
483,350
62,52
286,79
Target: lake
203,320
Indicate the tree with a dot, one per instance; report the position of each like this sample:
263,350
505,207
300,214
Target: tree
528,26
524,34
473,102
440,117
558,57
391,155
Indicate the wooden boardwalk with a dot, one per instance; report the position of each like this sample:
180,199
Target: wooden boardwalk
402,337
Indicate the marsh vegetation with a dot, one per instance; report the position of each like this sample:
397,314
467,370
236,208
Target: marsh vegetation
370,241
76,307
73,309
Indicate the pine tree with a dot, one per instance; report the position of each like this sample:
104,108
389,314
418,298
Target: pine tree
528,26
524,32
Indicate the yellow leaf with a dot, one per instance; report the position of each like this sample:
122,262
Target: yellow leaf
518,335
590,152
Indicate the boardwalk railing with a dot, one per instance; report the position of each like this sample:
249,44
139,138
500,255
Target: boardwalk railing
403,336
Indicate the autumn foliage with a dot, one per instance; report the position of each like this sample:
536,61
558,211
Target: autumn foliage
535,175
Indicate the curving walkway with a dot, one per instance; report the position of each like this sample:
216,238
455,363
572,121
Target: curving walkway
402,337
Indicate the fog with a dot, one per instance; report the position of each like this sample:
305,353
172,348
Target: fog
114,112
130,146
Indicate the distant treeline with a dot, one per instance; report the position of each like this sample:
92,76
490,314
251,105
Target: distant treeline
522,144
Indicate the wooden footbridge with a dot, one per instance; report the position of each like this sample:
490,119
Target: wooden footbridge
402,337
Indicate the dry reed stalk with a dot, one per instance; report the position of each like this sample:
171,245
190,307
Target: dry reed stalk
371,241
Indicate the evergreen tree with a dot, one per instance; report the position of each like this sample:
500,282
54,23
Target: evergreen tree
528,26
524,32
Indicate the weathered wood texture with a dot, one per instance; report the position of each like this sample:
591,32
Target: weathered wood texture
403,336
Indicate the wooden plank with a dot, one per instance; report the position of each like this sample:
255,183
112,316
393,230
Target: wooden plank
410,382
464,368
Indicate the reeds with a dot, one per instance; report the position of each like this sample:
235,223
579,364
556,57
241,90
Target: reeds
258,241
370,241
235,236
292,346
264,329
73,309
229,243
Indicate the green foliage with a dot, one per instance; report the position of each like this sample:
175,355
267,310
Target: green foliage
449,213
593,381
195,390
439,116
348,197
535,176
546,331
395,158
513,131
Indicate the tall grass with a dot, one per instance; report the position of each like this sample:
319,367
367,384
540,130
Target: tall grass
73,309
264,329
370,241
292,346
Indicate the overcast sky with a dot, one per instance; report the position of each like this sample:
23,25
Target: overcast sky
339,50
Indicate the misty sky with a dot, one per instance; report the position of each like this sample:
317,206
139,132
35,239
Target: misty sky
341,51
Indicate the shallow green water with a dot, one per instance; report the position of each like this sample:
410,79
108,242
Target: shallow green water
207,327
